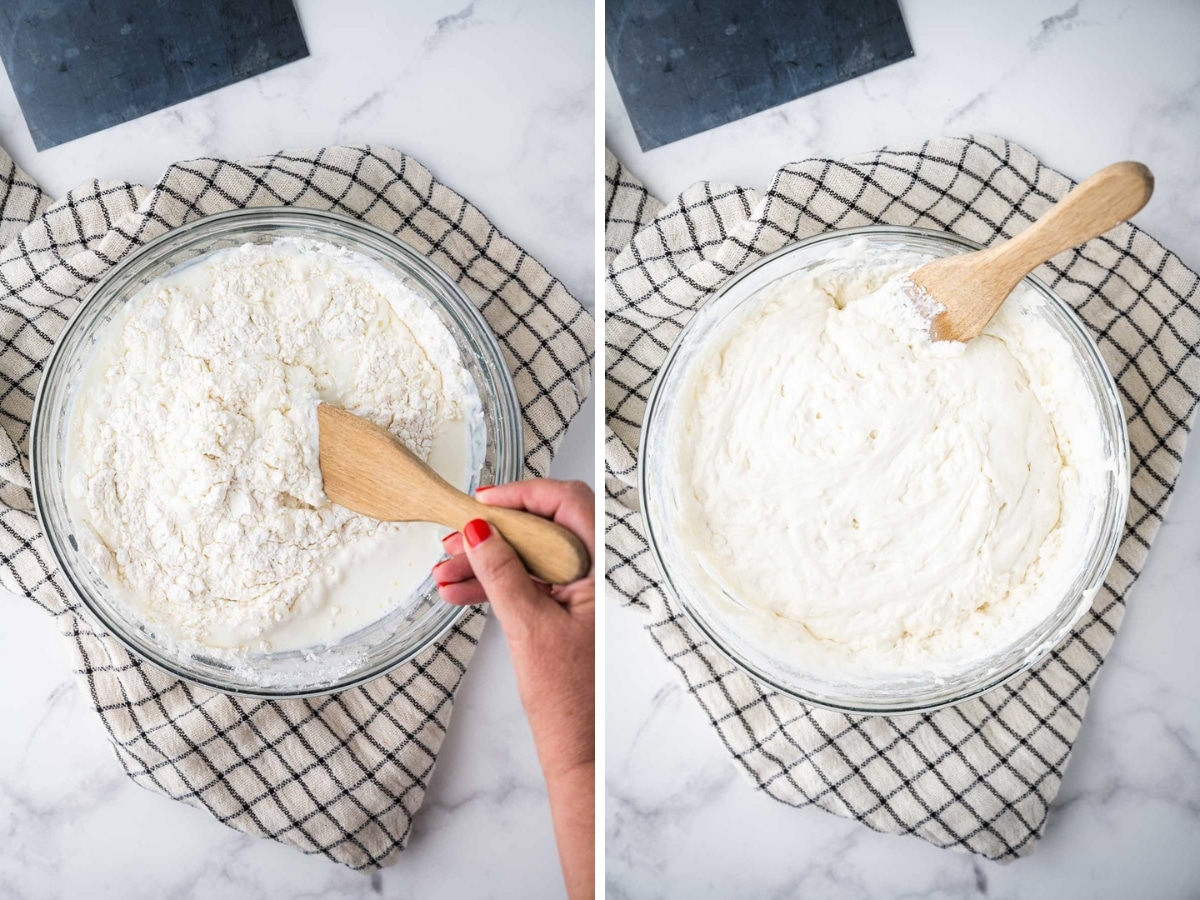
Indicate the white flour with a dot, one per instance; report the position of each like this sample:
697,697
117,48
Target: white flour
194,436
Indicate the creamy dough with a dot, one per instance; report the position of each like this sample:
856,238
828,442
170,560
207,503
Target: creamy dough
876,504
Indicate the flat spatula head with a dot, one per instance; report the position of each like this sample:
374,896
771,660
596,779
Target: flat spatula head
971,287
367,470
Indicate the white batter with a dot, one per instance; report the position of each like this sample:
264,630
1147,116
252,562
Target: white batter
877,504
193,461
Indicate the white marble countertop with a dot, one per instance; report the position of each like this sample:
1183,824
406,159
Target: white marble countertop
1080,85
497,98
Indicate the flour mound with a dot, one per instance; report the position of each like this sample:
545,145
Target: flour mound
195,433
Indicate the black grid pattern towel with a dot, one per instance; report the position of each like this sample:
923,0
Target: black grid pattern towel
341,775
980,776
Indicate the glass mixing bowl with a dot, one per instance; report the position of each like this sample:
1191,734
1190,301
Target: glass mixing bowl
702,599
408,628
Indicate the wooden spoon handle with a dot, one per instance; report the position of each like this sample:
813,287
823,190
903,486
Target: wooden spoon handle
1109,197
549,551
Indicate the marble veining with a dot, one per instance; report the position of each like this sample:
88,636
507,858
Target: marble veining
1054,25
496,97
1081,85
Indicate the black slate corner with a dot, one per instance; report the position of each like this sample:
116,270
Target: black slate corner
685,67
77,68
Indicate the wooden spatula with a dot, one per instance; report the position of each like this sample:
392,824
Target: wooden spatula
368,471
972,286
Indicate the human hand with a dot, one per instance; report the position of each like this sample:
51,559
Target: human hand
550,631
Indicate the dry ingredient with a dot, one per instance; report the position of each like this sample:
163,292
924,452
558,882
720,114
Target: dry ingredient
193,454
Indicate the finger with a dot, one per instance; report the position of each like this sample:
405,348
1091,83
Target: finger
571,504
470,591
453,544
449,571
511,591
463,593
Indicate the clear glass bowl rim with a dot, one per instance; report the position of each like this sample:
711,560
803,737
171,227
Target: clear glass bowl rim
1113,530
437,287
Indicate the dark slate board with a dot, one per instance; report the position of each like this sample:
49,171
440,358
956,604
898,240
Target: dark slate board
685,67
79,67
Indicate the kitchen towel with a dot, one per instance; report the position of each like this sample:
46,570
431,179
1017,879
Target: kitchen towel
341,775
979,776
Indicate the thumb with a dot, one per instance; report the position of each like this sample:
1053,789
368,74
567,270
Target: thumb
504,578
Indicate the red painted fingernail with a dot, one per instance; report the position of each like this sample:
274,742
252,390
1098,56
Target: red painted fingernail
476,532
450,535
484,487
